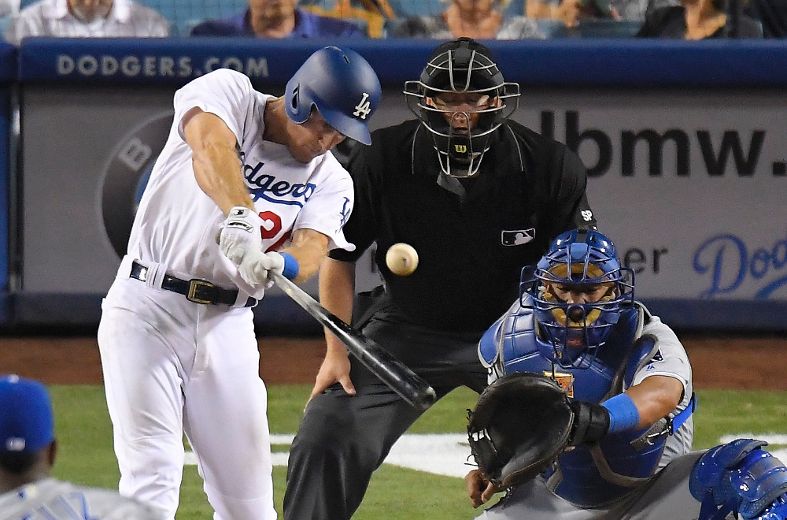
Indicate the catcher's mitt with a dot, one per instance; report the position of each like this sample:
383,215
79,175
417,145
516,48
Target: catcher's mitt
520,424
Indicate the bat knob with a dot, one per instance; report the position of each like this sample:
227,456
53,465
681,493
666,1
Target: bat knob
425,399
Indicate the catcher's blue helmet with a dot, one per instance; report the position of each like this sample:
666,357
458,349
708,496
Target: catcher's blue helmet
585,262
341,85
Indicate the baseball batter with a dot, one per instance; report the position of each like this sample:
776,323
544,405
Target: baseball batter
244,185
629,382
27,453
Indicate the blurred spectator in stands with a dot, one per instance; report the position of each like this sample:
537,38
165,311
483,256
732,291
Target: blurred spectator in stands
478,19
277,19
696,20
772,14
87,18
572,12
9,7
369,14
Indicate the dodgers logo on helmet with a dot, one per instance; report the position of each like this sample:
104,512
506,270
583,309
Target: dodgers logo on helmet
341,85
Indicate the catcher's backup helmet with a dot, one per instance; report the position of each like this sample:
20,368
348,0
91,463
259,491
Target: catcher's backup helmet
461,66
341,85
577,260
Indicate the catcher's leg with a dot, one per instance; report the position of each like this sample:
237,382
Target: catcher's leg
738,476
532,500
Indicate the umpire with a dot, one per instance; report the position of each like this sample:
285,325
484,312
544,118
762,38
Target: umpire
478,196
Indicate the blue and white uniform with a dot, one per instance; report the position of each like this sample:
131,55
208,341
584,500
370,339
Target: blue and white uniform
636,474
51,499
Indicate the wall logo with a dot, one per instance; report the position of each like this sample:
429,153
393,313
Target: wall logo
126,175
732,151
728,263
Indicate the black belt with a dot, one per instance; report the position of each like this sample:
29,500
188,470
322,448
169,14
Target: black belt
195,290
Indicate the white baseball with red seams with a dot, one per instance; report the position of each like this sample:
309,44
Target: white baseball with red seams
401,259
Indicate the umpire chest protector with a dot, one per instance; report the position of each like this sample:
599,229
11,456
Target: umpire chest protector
588,476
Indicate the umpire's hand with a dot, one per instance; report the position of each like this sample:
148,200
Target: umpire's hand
335,368
479,489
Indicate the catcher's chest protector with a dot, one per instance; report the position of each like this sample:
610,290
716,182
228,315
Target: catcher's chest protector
576,476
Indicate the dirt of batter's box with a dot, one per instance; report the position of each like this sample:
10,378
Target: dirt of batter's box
718,361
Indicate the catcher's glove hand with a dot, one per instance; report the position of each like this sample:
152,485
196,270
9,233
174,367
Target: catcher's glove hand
520,425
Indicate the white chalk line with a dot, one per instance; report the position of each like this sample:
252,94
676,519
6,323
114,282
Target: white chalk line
447,453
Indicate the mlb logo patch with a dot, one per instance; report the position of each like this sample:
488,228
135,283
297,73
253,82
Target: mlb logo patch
517,237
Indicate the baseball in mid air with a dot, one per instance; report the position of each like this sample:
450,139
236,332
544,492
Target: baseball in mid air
401,259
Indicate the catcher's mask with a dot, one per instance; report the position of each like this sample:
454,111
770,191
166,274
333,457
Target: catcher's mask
461,99
578,288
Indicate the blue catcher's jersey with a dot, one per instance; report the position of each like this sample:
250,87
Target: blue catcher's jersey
588,476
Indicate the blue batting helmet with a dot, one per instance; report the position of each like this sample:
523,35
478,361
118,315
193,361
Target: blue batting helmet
585,262
341,86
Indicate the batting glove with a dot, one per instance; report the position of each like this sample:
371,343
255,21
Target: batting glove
256,265
240,234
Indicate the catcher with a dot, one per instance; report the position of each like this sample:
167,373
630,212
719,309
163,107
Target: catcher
588,414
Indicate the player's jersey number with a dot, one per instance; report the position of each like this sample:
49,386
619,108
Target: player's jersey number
272,226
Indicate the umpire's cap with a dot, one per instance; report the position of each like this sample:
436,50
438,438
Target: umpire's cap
26,423
341,85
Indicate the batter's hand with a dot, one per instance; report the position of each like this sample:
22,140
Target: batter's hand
335,368
240,234
241,241
479,489
256,265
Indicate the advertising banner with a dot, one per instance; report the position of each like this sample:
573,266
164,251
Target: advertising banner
689,182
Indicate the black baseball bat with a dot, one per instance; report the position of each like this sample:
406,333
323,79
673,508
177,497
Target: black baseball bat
395,374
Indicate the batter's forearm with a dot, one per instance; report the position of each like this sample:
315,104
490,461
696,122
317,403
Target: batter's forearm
309,248
218,175
217,166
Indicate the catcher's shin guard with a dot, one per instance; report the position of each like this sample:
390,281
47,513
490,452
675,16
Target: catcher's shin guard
740,477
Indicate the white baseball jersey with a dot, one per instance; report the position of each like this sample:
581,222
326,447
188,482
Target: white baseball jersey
51,499
172,366
52,18
177,223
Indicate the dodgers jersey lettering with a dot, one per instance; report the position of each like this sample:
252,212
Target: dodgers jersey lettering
177,224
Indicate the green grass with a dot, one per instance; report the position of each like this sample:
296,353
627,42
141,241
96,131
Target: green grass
85,436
